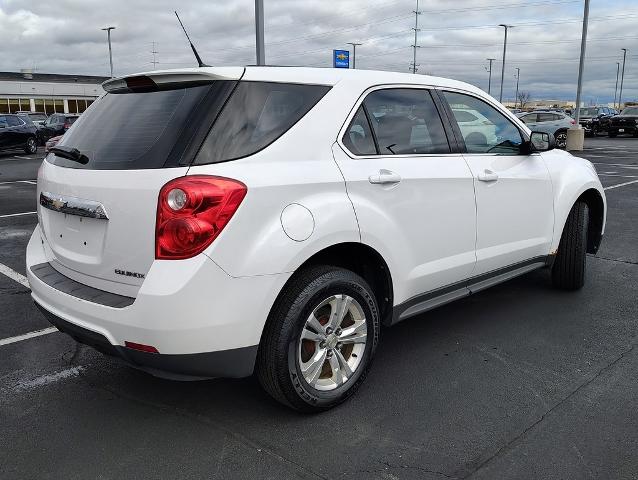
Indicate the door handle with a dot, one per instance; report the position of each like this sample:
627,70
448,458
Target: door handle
384,177
488,176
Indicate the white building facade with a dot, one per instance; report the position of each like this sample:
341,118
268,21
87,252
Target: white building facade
48,93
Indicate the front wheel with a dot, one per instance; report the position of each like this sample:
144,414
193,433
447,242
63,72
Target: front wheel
568,271
319,339
561,139
611,134
31,145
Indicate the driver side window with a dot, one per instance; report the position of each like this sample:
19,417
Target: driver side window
484,129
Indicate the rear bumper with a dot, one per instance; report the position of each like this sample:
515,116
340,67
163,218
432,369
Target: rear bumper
235,363
626,128
203,322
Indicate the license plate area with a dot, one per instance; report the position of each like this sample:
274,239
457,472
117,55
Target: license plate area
621,130
75,239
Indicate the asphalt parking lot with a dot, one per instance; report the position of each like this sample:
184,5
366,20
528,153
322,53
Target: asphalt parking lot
519,381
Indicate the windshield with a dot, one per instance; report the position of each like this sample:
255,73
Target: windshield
630,111
37,117
127,131
588,112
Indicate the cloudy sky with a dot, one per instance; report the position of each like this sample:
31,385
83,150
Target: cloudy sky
64,36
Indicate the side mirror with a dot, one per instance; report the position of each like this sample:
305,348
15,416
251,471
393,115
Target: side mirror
542,142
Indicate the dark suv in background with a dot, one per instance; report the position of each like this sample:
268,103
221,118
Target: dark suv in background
16,132
626,122
595,120
57,124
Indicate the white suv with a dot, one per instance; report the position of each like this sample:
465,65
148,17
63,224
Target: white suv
213,222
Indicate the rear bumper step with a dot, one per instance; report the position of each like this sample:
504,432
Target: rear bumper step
49,275
234,363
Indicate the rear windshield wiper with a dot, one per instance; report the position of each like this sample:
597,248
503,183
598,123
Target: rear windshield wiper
70,154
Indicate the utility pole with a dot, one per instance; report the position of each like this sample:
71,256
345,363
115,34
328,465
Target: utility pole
622,76
108,35
616,89
518,76
259,32
354,53
154,61
416,29
507,27
489,81
576,135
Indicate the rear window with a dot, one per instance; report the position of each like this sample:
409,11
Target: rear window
126,131
255,116
71,120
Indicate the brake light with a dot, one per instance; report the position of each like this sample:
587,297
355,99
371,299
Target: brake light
141,347
573,122
67,125
192,211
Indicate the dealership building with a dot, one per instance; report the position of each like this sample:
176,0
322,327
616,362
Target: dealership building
48,92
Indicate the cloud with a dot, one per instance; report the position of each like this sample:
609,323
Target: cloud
455,38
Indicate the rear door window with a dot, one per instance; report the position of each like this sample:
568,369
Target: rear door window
256,115
358,139
406,121
126,131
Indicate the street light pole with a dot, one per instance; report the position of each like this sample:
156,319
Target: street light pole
259,32
616,89
518,76
576,135
622,76
354,53
489,81
507,27
108,36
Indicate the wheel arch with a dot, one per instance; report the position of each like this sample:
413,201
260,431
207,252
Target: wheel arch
594,201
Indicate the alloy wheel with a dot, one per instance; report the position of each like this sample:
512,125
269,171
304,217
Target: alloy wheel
332,342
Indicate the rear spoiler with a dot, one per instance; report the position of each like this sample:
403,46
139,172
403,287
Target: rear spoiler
170,80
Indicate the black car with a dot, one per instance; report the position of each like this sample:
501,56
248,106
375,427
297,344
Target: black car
595,120
16,133
38,119
57,124
626,122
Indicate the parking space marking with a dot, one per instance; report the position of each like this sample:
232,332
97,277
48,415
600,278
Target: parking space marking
617,175
17,214
23,158
622,165
27,336
620,185
13,275
44,380
33,182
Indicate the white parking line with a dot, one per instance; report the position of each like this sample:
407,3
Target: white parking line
620,185
13,275
33,182
17,214
24,158
623,165
27,336
617,175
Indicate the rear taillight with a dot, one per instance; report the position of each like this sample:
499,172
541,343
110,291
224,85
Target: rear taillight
573,122
192,211
67,125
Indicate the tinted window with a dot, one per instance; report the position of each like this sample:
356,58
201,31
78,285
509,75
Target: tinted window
630,111
3,122
255,116
38,117
547,117
358,139
71,120
406,121
531,118
142,130
14,121
494,133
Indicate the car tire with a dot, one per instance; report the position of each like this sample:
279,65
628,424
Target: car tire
561,139
611,134
568,270
296,357
31,146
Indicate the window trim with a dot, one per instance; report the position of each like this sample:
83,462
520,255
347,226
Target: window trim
452,142
515,121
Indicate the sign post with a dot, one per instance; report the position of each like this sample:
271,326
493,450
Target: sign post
341,59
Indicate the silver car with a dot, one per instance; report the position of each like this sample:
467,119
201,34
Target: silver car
555,123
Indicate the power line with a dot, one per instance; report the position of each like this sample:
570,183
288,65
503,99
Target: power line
416,12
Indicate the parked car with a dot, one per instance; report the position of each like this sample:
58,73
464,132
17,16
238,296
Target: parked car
57,124
17,133
52,142
37,119
595,120
626,122
302,210
552,122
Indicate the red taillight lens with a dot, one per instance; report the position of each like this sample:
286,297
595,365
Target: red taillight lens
67,126
192,211
573,122
141,347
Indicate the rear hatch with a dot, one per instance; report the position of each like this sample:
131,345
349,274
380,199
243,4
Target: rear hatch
98,193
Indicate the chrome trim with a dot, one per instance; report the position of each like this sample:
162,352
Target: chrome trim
73,206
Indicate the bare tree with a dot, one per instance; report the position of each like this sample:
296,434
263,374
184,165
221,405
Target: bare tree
523,99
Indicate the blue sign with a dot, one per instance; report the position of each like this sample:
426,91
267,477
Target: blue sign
341,58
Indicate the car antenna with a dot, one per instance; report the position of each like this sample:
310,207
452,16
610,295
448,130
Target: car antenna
199,60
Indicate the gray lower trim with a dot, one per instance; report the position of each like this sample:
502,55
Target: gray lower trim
49,275
440,296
